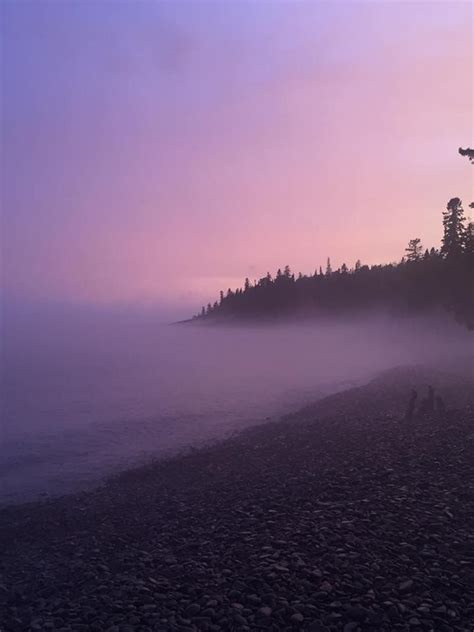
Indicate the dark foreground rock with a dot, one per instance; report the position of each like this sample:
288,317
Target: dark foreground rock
332,520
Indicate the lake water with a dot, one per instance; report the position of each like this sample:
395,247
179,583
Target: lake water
87,395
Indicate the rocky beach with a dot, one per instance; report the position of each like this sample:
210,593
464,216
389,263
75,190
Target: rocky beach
341,517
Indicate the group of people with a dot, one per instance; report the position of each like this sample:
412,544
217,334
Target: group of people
428,405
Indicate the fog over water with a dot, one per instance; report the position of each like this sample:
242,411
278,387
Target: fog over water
86,393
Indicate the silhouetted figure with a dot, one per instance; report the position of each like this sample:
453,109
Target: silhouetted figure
440,407
427,404
431,399
411,405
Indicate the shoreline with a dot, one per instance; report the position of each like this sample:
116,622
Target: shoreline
388,388
339,516
224,433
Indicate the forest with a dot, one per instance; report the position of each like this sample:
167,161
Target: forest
424,280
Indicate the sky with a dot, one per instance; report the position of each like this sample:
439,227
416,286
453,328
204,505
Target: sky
157,152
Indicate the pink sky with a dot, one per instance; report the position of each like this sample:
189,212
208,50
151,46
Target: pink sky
162,152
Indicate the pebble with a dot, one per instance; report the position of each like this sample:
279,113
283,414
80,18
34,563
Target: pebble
311,534
297,618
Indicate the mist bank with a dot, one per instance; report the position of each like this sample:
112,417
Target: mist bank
436,318
89,392
419,285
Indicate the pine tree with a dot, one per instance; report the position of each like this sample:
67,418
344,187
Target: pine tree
453,224
414,249
328,268
467,152
470,154
468,241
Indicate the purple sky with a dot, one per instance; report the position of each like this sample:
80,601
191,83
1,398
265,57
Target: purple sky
160,152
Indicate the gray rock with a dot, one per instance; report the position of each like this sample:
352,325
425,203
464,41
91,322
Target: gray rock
406,586
193,609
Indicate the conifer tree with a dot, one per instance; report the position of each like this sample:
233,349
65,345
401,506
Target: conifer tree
468,241
454,229
467,152
414,249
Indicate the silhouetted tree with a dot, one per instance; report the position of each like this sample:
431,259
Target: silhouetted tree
470,154
414,249
467,152
328,267
437,279
453,225
468,240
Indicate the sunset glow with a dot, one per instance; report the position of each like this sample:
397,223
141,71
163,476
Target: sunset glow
161,152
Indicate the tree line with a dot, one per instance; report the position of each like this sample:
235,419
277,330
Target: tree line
425,279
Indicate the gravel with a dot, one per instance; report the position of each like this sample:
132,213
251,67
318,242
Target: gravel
342,517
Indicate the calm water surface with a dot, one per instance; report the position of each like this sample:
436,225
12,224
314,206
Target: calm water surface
85,397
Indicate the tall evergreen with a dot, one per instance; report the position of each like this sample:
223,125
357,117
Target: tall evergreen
469,239
437,279
414,249
454,228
